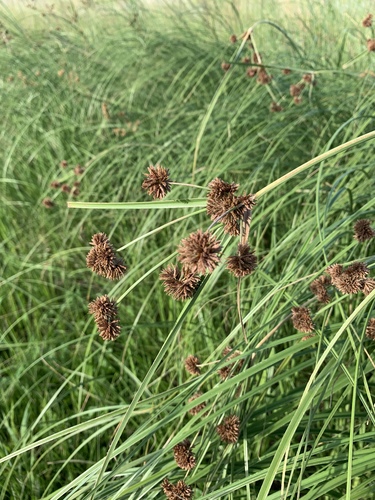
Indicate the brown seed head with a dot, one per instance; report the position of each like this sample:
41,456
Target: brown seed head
263,77
48,203
157,182
55,184
275,107
371,45
178,491
63,164
191,365
196,409
286,71
183,455
225,66
370,329
319,289
78,170
251,72
368,285
103,260
246,60
199,252
295,90
65,188
233,39
61,72
242,264
229,430
297,100
363,230
308,77
367,21
224,206
180,285
234,368
104,311
335,271
301,319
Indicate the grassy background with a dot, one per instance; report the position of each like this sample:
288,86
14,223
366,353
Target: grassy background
305,434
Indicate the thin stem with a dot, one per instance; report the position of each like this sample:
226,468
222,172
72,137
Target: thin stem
239,310
189,185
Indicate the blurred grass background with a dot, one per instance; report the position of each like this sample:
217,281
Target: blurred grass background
114,87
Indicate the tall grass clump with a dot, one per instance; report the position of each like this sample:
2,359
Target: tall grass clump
187,251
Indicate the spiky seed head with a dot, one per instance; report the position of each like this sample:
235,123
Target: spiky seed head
319,289
244,263
48,203
371,45
199,252
178,491
104,311
296,89
234,368
183,455
179,284
363,230
102,258
157,182
191,365
301,318
275,107
225,66
233,39
368,286
229,430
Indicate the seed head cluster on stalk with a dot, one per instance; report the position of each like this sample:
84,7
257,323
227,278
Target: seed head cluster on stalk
199,254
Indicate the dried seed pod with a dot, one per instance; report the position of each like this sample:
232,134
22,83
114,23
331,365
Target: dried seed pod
199,252
242,264
301,319
183,455
157,182
104,311
180,285
363,230
229,430
191,365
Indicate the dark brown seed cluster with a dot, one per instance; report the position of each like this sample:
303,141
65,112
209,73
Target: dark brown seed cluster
199,252
296,89
233,39
180,285
363,230
104,311
370,329
367,21
183,455
319,289
225,66
55,184
371,45
275,107
196,409
178,491
368,286
351,280
103,260
301,319
229,430
48,203
224,206
264,78
157,182
244,263
191,365
234,368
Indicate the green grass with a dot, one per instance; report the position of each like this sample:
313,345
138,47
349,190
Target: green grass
85,419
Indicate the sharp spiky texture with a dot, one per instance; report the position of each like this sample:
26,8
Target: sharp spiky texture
103,260
199,252
191,365
363,230
180,285
229,430
157,182
178,491
224,206
371,45
319,289
242,264
183,455
302,320
368,286
104,311
350,280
